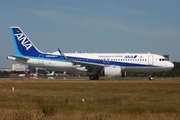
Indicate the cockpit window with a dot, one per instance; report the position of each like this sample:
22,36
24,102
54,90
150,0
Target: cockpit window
162,59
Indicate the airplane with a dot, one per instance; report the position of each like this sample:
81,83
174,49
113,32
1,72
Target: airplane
27,73
96,64
31,75
22,75
50,74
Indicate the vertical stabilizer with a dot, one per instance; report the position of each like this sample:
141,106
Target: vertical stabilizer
23,45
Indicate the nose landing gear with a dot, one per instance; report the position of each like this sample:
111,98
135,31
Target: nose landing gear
150,76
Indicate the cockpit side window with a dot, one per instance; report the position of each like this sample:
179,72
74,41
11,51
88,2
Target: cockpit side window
162,59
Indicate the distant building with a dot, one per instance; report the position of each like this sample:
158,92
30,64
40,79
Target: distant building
18,67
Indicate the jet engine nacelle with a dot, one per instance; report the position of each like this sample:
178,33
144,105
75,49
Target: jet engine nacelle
113,71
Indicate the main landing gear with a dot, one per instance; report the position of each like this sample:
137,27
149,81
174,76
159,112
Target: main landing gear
94,77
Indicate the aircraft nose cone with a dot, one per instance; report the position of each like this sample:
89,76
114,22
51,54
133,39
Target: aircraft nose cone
170,65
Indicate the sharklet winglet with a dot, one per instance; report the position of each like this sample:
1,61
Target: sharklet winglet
62,55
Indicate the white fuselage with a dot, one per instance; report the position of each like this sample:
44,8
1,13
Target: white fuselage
137,62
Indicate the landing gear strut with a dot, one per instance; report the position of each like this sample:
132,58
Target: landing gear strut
94,77
150,76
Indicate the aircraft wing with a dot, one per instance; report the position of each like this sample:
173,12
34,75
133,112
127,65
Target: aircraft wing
88,65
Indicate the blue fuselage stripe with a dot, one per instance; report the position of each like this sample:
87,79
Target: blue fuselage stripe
58,58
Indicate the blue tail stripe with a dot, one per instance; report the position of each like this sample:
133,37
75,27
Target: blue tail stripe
15,45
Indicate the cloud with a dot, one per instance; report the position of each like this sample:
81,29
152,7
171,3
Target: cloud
60,17
75,9
165,34
50,15
126,10
132,11
160,34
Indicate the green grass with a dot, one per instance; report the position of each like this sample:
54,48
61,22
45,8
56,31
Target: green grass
103,100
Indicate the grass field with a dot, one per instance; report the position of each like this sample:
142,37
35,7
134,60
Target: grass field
103,100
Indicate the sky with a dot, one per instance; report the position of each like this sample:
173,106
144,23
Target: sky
93,26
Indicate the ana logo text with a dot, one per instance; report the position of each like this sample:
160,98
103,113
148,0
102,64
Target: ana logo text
130,56
24,41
